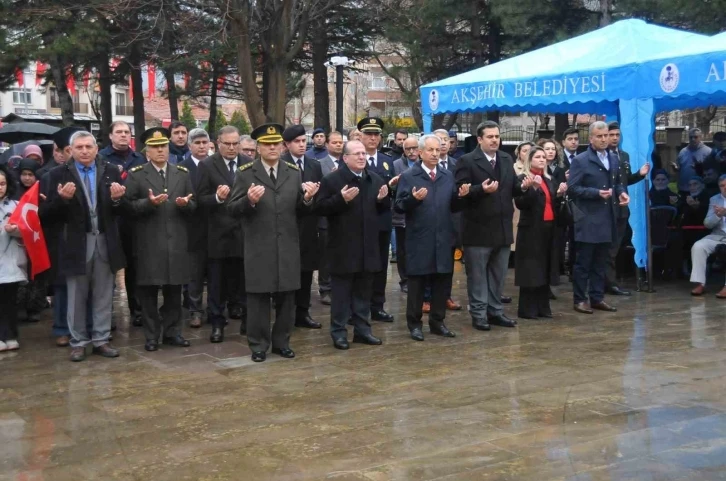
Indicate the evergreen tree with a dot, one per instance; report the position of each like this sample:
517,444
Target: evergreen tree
238,120
187,117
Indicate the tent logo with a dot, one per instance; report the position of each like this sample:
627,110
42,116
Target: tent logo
669,78
434,99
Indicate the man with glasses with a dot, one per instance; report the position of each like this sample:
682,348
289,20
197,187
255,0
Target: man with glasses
247,146
381,164
225,268
689,158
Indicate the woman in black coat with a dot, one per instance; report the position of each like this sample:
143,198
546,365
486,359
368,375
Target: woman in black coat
536,265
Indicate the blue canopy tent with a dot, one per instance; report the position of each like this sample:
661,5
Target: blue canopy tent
597,72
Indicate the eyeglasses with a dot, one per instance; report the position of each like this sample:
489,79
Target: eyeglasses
230,145
249,150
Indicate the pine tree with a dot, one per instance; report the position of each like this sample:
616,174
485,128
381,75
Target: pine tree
239,121
187,117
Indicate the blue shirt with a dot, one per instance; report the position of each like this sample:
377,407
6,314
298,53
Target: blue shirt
91,172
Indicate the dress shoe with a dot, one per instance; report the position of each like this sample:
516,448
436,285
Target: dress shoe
426,308
442,331
698,290
177,341
546,314
307,322
502,320
325,298
62,341
381,315
583,308
404,288
603,306
722,293
151,346
369,339
259,356
522,315
287,353
452,306
235,313
552,295
196,321
341,343
417,334
616,291
505,300
480,325
217,335
78,354
137,322
105,350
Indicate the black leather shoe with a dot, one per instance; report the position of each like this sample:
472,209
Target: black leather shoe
235,313
603,306
177,341
442,331
546,315
259,356
137,322
381,315
217,335
616,291
286,353
307,322
583,308
480,325
341,343
505,300
369,339
151,346
417,334
502,320
529,316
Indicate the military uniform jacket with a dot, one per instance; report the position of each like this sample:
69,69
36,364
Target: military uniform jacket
271,241
627,176
160,232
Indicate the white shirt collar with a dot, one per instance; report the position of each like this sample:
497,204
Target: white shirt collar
195,160
489,158
274,167
427,170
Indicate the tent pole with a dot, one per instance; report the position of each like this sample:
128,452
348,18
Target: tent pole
650,244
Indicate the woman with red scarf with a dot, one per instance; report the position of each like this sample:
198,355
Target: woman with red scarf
537,255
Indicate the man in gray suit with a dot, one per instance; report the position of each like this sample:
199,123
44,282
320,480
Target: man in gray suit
334,145
409,159
716,221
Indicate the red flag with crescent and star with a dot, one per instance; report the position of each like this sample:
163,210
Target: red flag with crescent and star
26,218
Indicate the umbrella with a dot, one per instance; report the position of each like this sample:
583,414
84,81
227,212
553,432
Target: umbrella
22,131
17,149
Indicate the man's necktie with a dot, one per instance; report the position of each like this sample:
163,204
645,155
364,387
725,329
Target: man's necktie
272,175
231,167
299,164
87,183
371,161
432,174
163,177
494,162
572,157
443,164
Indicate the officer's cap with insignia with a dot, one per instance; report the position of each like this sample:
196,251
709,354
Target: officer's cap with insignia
155,136
371,125
267,134
293,132
62,138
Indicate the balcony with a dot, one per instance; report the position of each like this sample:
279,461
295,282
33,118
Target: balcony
125,110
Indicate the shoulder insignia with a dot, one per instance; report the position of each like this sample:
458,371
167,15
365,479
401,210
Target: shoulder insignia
385,165
245,166
292,166
137,168
182,168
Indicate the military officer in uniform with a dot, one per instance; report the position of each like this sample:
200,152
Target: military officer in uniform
160,201
269,195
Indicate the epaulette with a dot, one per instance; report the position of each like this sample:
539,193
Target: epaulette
291,165
137,168
246,166
182,168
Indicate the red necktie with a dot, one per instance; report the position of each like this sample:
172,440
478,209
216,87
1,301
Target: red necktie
432,174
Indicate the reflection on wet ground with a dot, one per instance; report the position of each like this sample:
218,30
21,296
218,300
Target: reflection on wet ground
635,395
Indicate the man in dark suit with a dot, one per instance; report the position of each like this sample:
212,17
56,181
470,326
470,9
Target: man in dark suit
197,227
409,159
352,198
623,212
268,196
378,162
310,171
487,231
84,205
327,165
427,194
225,267
597,192
160,197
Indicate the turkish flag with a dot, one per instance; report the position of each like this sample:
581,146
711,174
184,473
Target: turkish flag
151,77
26,218
40,69
20,77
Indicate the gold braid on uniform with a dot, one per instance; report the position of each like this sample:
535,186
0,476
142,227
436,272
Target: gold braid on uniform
137,168
290,164
245,166
182,168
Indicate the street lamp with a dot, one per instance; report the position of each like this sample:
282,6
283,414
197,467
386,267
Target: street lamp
339,63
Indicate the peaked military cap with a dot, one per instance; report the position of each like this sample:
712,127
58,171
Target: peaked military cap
155,136
372,125
62,138
268,134
293,132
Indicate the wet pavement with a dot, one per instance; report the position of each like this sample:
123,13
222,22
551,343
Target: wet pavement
635,395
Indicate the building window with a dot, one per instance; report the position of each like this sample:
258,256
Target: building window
22,97
378,83
121,99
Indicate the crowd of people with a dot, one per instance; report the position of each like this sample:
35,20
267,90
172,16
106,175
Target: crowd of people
252,218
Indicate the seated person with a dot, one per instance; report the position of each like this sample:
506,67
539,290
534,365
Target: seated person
660,193
694,206
716,221
710,180
693,209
